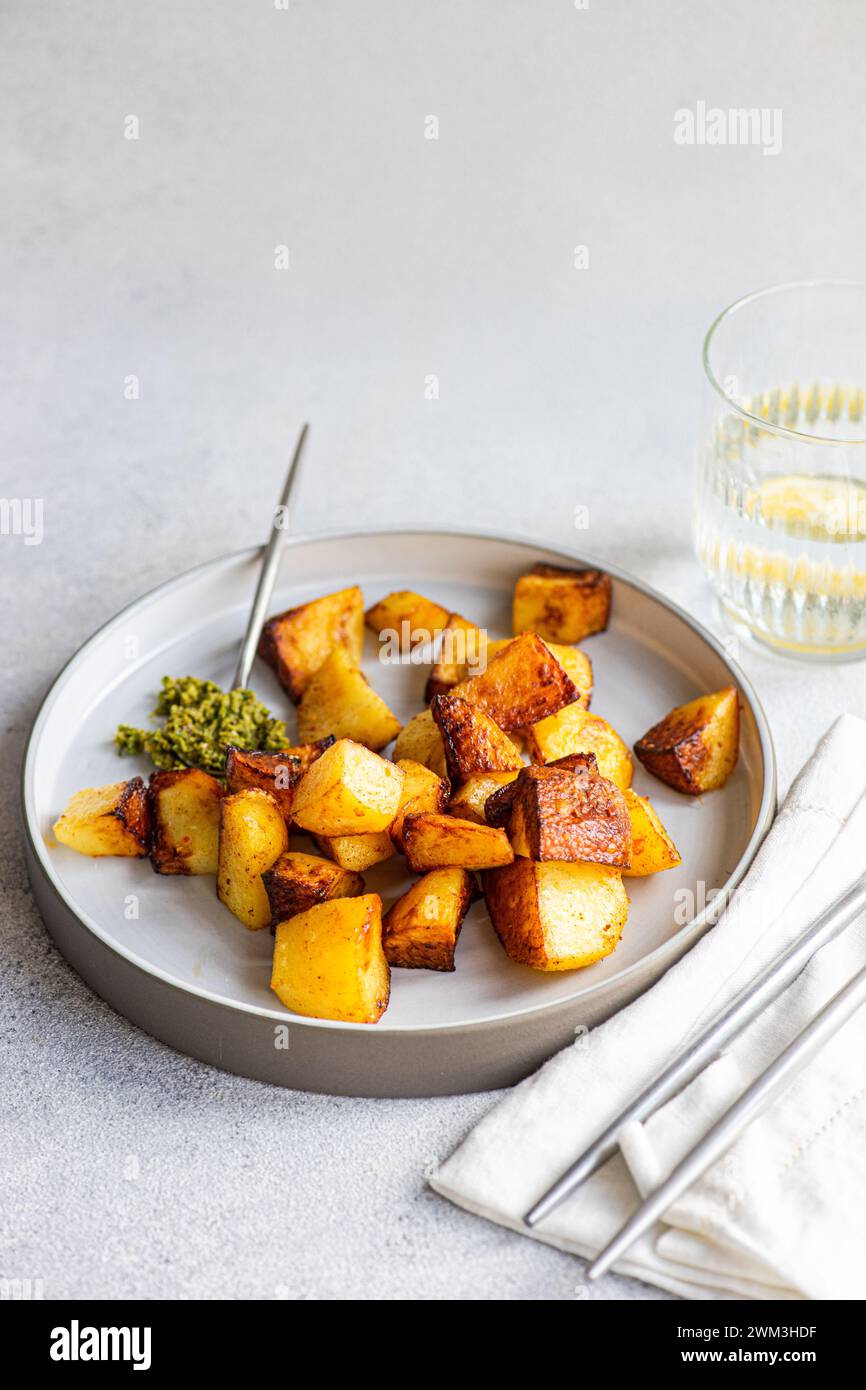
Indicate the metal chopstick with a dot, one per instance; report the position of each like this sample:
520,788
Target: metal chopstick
770,1084
766,986
268,573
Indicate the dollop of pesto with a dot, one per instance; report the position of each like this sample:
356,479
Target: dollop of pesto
200,721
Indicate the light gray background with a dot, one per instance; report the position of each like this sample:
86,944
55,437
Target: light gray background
128,1170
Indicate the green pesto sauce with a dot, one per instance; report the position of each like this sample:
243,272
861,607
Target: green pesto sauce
200,722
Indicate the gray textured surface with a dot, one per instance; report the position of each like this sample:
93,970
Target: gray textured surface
125,1169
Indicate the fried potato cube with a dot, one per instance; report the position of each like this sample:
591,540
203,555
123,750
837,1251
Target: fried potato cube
569,816
473,742
339,700
297,882
470,800
522,684
329,961
652,849
185,806
407,618
574,662
562,605
277,773
575,730
252,836
460,654
348,791
110,820
357,852
695,747
497,807
422,791
420,930
297,642
421,742
556,916
441,842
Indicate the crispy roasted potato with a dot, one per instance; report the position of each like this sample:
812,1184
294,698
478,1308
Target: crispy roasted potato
574,662
473,742
460,655
277,773
185,807
348,791
652,848
497,807
469,801
420,931
339,700
421,742
252,836
556,916
522,684
695,747
110,820
569,816
422,791
358,852
562,605
441,842
329,961
299,881
408,617
297,642
575,730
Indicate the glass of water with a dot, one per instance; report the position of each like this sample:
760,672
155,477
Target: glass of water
780,502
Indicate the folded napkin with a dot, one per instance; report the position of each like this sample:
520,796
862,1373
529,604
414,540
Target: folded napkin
783,1213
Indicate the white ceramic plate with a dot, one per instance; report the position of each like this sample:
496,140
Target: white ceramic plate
167,954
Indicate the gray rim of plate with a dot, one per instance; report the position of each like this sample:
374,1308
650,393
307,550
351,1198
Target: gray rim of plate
710,913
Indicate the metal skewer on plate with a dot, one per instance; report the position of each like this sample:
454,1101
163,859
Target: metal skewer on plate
270,564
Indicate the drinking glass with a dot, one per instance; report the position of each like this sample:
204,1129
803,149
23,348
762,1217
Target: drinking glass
780,501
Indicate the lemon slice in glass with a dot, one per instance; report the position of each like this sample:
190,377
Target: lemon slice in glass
823,508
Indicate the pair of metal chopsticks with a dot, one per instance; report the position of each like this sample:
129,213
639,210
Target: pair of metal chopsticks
767,985
270,560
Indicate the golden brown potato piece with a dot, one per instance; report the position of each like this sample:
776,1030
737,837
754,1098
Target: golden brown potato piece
574,662
252,837
329,961
569,816
470,800
357,852
277,773
695,747
575,730
339,700
556,916
422,791
110,820
420,931
299,881
473,742
297,642
460,655
407,619
348,791
562,605
497,807
522,684
652,849
185,806
421,742
442,842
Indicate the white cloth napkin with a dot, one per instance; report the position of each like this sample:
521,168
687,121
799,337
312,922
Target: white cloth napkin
783,1213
